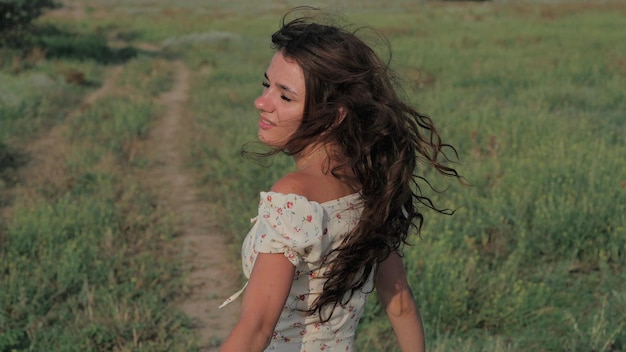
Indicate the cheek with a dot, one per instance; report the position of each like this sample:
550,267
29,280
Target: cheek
283,133
293,124
295,118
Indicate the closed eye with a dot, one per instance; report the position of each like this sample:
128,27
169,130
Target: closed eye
283,97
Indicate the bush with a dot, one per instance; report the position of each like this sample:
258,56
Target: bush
16,14
10,160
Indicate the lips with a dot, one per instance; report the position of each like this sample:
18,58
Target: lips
265,124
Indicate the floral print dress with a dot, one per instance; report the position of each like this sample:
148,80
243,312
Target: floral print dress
305,231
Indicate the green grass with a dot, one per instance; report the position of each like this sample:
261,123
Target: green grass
33,101
89,264
533,257
531,96
82,273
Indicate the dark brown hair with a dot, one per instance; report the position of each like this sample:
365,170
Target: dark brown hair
352,103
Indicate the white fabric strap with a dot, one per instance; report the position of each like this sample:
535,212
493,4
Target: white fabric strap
233,297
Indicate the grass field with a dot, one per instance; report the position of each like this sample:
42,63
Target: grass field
531,95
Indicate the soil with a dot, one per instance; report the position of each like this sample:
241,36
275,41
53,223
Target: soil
212,270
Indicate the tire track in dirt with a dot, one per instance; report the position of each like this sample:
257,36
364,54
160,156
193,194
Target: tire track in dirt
45,167
212,273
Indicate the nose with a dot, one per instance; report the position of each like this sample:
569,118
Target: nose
263,103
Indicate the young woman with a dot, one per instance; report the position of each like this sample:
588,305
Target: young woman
331,232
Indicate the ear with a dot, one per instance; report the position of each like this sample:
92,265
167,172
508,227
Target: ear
342,115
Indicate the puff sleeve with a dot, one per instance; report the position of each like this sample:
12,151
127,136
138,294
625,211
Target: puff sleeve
290,224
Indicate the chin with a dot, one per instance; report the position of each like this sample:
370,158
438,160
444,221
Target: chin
268,141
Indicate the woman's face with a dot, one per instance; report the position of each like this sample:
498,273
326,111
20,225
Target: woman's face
281,105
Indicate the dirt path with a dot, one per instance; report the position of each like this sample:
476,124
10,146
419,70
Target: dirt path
212,273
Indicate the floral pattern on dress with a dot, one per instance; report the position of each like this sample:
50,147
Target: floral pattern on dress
305,231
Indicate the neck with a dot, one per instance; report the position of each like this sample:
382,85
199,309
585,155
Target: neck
306,158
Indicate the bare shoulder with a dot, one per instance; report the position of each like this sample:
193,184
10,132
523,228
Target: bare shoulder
293,183
315,187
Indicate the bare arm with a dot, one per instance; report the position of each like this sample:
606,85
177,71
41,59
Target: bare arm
263,301
396,297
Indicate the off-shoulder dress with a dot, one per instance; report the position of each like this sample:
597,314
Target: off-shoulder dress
305,231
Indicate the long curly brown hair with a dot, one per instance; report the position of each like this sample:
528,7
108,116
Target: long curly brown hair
352,103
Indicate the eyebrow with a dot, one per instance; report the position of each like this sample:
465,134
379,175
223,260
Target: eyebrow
281,86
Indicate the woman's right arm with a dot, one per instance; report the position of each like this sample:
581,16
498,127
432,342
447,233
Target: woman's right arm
396,297
263,301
